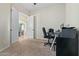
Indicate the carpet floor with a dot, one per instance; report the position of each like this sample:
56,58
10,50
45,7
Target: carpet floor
28,47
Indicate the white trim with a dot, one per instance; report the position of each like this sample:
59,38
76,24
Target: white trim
4,48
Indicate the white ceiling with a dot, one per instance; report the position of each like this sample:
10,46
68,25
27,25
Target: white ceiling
31,7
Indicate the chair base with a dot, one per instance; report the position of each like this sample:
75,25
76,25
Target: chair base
48,44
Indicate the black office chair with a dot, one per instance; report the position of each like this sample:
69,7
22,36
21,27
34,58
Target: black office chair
52,35
48,35
45,33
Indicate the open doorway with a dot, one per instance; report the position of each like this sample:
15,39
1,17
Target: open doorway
26,26
22,25
21,29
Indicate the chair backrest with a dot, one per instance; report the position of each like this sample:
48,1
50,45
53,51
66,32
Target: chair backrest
51,30
44,32
51,33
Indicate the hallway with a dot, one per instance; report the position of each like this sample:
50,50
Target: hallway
28,47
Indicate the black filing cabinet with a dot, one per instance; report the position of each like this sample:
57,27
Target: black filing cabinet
67,43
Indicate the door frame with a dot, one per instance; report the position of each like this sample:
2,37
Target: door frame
10,24
34,26
11,10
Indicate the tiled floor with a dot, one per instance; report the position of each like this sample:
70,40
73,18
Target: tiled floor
28,47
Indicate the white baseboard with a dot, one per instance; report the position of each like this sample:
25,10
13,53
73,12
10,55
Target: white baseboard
4,48
8,46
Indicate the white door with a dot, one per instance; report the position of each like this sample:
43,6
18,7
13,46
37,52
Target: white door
30,27
14,25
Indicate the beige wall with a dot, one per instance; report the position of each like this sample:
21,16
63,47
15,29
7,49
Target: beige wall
4,26
51,17
72,14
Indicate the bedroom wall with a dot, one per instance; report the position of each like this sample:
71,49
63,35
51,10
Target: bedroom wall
4,26
72,14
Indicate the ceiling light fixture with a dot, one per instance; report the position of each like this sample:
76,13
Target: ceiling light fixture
34,3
